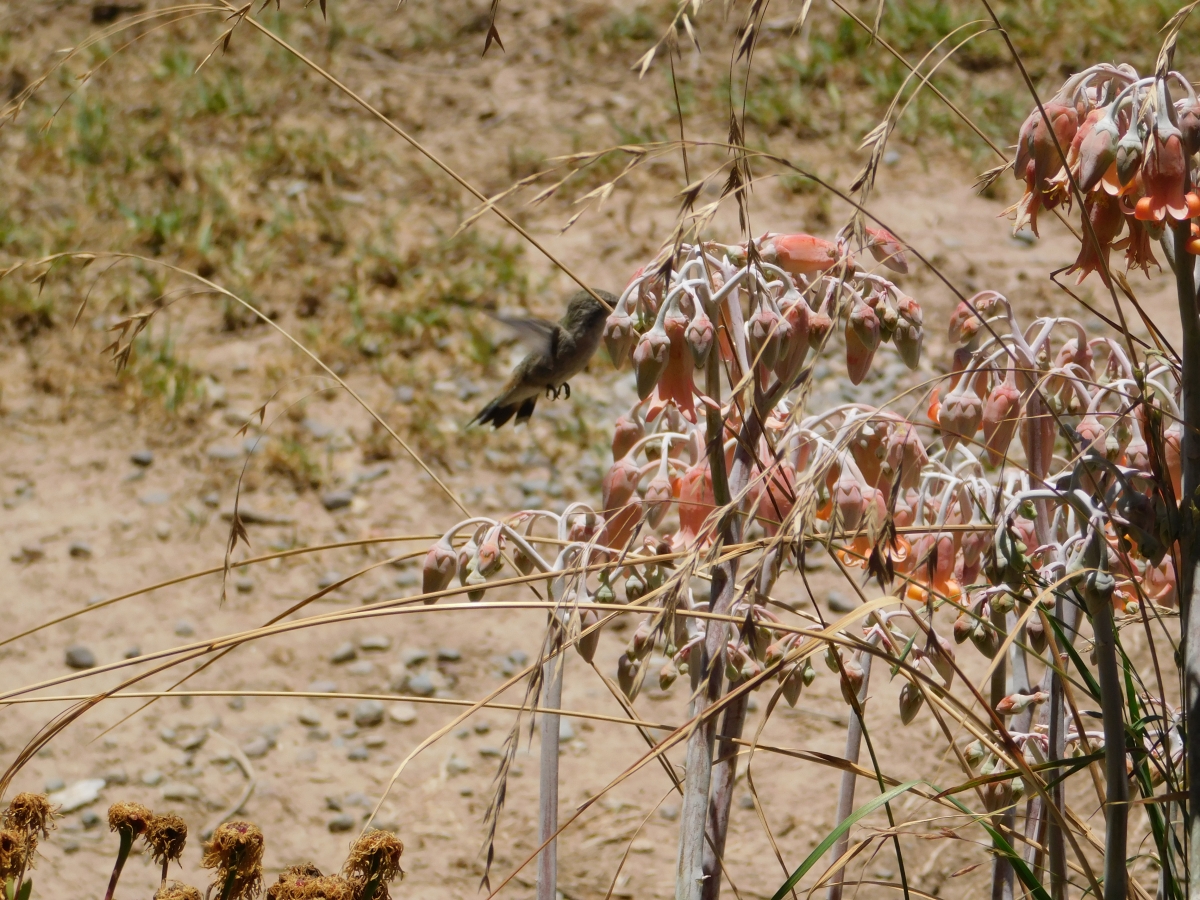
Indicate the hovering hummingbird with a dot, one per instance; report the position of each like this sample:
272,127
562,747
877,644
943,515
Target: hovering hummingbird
557,351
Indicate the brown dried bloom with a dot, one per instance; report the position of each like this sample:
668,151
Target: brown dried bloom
129,817
31,814
176,890
236,852
374,861
12,853
311,887
165,836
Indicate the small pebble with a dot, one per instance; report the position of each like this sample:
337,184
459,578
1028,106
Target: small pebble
154,498
55,784
466,791
413,656
116,776
307,756
80,657
362,667
483,726
90,818
368,714
318,734
421,684
80,550
358,754
167,735
184,628
142,458
463,733
349,733
162,531
175,791
212,500
642,846
329,579
344,653
839,603
70,846
133,652
310,715
28,554
237,703
404,394
333,803
746,801
335,500
670,813
490,752
375,741
244,585
456,766
402,713
344,822
375,642
407,579
256,748
195,741
151,777
322,687
223,453
449,654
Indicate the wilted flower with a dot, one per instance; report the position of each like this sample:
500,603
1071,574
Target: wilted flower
31,814
373,863
129,821
441,562
177,890
12,853
235,852
166,836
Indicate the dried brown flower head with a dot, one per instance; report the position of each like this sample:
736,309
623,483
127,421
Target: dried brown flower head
165,836
236,852
311,887
374,861
12,853
31,814
300,870
176,890
129,817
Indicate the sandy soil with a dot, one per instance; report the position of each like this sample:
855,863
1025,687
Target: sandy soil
83,522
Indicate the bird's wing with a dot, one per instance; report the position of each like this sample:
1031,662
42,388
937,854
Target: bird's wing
538,335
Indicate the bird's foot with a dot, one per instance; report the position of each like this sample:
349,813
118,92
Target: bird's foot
551,392
566,389
563,390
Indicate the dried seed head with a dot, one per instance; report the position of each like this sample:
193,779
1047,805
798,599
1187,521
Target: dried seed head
129,818
301,870
375,857
165,836
176,890
30,814
305,882
236,850
12,853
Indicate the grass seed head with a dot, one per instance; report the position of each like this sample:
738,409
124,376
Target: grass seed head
176,890
131,818
236,848
166,836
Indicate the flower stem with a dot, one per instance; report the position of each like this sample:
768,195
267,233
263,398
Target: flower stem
1115,775
547,873
122,855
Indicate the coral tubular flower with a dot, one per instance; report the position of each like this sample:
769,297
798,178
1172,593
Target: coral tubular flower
862,339
1164,174
1104,212
887,249
799,254
674,382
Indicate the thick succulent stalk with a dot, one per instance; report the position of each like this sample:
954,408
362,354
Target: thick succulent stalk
689,868
1068,615
122,855
998,690
1189,544
1116,806
845,806
547,872
733,720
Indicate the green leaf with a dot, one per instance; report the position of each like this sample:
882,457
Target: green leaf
903,654
845,825
26,890
10,889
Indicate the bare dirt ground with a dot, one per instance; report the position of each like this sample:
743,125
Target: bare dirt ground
83,521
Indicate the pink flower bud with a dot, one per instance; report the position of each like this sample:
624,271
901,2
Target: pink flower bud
941,655
619,484
762,331
1014,704
441,562
887,249
658,498
962,412
800,254
667,675
911,699
793,353
792,684
627,676
963,626
1189,127
851,680
1097,151
909,333
619,335
491,551
862,339
699,335
628,430
848,498
1001,414
650,359
588,642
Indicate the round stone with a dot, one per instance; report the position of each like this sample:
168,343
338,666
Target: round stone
340,823
80,657
368,713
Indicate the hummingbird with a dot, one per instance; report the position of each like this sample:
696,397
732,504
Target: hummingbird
557,351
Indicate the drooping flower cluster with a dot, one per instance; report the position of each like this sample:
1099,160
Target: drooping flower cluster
1129,148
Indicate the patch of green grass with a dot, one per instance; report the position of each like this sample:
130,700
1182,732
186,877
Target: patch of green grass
161,374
